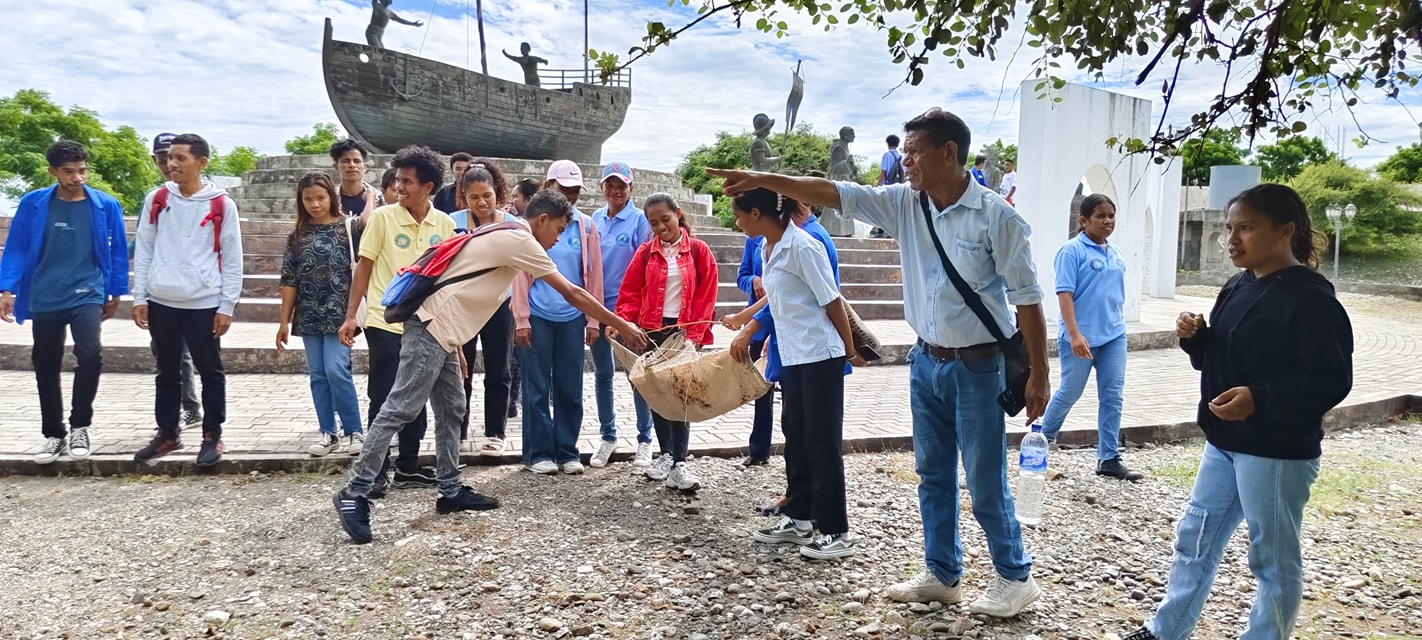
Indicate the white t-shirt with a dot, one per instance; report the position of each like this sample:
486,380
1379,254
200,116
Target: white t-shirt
1008,182
671,304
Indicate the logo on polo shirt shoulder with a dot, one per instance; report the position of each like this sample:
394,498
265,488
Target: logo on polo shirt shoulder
623,239
1097,264
435,239
402,241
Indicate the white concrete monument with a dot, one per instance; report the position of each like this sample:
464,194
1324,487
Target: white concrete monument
1063,144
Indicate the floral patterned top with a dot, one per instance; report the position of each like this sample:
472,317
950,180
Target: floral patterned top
318,265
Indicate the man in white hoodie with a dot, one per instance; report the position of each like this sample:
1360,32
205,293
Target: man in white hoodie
187,276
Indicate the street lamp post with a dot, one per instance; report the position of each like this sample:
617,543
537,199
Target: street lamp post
1338,216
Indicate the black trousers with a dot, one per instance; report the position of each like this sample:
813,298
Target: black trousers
813,422
497,337
170,329
673,436
47,356
383,352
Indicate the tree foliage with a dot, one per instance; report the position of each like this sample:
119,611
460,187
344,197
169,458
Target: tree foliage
236,162
1216,148
804,151
1383,224
319,142
1284,159
30,122
1276,57
1405,165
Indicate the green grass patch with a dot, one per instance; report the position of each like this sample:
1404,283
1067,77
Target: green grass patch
1180,473
1344,482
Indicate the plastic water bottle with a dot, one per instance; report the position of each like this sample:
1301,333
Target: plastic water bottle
1032,477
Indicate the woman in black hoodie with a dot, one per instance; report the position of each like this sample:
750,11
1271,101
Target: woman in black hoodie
1276,354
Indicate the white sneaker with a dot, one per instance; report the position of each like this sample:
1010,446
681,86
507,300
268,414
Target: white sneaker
79,444
1006,598
572,467
604,453
50,451
659,468
546,467
644,455
329,444
829,546
683,477
355,442
925,587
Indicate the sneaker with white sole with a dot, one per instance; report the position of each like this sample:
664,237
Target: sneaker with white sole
682,477
643,458
79,443
191,418
603,455
829,546
925,587
545,467
785,531
660,468
50,451
355,442
492,447
572,467
328,444
1006,598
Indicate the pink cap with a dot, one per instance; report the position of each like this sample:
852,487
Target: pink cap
565,173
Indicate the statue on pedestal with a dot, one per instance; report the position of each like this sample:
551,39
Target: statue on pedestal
529,63
841,168
380,17
760,151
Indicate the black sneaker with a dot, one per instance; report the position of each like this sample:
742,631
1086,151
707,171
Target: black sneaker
418,477
354,512
513,411
1141,634
382,484
211,451
192,418
466,500
1114,469
161,445
755,461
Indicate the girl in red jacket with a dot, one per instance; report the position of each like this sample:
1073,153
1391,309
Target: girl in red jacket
671,281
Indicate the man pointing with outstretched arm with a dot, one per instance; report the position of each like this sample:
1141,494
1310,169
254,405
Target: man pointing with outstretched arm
955,369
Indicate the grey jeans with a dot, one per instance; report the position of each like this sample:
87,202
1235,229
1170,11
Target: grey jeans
426,373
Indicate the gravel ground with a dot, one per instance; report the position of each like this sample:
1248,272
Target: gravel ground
609,555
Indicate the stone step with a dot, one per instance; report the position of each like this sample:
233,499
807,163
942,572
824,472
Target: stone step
289,178
855,293
846,256
256,202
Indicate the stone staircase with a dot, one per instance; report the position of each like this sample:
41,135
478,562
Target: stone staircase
869,268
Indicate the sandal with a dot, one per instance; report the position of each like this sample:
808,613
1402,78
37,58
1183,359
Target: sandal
492,447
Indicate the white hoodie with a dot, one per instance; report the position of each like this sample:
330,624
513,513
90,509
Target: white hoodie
174,264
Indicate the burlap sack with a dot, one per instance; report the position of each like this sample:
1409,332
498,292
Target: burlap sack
681,384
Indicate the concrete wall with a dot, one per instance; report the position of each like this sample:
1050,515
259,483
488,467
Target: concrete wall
1059,144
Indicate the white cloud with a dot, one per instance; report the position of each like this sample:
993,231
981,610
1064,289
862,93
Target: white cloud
249,72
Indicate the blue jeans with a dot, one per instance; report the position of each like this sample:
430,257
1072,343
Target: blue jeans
603,369
553,374
332,389
1109,360
954,406
1269,495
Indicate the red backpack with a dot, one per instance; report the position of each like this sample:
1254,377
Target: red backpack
217,210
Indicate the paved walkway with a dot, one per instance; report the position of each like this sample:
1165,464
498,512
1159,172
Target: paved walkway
271,413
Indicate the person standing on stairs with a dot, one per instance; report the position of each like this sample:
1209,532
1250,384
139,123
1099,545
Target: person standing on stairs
623,228
187,278
65,265
358,198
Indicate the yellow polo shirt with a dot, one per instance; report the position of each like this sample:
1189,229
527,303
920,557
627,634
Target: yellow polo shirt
392,239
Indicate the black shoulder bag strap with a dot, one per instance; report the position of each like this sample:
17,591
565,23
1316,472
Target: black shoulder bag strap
1016,365
970,297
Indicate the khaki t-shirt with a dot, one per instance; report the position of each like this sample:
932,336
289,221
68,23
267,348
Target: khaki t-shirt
456,313
393,240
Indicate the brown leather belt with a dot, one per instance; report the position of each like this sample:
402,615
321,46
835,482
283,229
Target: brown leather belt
948,354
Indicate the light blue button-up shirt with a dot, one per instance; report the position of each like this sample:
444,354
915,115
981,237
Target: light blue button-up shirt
621,234
982,235
1095,276
799,283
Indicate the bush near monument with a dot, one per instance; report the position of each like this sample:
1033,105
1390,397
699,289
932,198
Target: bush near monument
323,135
1383,224
30,122
1405,165
1290,156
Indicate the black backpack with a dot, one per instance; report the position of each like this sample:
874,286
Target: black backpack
896,172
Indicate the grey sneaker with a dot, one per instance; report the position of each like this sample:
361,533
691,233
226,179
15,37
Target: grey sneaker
79,443
355,442
660,468
829,547
328,444
191,418
784,531
604,453
50,451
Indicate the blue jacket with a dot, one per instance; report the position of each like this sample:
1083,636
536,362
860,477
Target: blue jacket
22,247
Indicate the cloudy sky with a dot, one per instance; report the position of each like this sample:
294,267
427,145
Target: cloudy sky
249,72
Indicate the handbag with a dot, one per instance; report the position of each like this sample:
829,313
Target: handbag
350,243
1017,366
